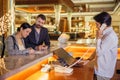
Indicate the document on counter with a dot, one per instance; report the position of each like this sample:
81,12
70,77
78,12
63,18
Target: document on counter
41,52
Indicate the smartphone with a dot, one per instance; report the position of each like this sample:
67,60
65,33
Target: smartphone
103,26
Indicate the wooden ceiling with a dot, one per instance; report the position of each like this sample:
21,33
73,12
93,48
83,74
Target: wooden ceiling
43,6
94,5
38,9
76,6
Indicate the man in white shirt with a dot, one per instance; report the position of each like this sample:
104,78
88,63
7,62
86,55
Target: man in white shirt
106,48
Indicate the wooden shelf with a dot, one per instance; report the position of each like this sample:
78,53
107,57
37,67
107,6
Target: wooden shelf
77,21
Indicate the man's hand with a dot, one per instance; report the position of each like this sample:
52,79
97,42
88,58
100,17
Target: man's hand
99,34
41,47
31,51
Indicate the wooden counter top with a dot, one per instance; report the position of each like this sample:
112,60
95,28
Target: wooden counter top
29,66
79,73
17,63
32,71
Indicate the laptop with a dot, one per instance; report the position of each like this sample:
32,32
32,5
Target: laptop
64,57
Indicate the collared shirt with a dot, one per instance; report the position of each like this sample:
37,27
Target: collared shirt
107,53
37,35
21,47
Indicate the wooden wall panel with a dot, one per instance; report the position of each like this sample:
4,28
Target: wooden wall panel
1,8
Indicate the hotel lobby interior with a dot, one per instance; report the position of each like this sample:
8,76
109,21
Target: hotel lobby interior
72,17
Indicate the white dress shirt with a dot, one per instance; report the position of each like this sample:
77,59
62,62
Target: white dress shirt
107,53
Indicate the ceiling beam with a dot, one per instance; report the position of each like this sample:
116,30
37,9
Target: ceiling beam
67,3
92,1
31,2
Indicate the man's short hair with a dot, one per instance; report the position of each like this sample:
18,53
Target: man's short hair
103,17
41,16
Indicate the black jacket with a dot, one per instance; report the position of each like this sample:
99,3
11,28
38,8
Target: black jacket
30,41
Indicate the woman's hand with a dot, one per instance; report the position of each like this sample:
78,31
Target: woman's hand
31,51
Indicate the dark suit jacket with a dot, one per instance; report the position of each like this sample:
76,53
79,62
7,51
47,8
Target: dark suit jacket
30,41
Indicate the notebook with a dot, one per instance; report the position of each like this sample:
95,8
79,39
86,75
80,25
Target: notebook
64,57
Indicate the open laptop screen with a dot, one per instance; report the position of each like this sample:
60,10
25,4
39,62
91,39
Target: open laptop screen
64,57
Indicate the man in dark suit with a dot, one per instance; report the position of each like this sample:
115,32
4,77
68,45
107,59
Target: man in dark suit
39,38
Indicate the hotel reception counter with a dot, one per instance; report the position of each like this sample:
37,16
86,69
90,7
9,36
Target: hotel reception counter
27,67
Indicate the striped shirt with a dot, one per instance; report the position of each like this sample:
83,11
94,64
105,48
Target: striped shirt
107,53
